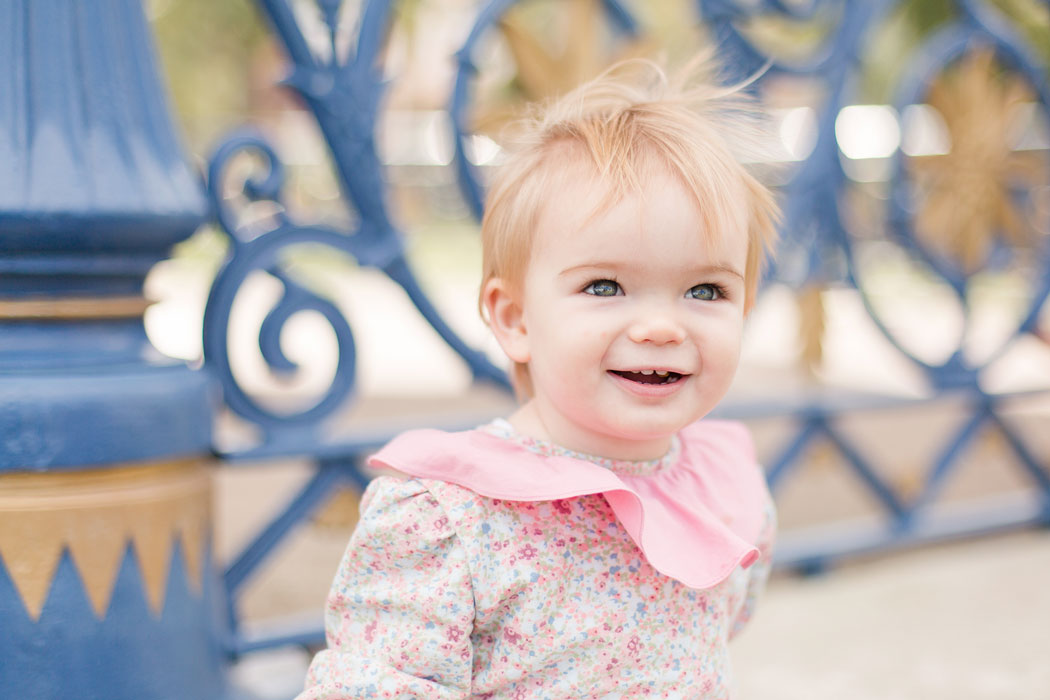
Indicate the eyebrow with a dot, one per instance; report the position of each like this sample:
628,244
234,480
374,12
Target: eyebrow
616,267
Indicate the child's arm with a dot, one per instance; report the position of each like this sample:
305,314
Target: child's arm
401,609
759,571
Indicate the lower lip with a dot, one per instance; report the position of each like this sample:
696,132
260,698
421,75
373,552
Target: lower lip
649,390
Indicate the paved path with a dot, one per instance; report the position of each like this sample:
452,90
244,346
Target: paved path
966,621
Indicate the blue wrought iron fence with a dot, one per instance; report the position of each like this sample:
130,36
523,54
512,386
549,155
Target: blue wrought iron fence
819,248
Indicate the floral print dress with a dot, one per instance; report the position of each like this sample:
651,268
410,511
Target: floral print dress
504,567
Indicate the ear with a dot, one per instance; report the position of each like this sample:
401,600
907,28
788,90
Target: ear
506,319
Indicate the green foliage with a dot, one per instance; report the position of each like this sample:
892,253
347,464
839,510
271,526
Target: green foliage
891,47
207,49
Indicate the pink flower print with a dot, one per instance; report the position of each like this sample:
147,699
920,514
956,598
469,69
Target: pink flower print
528,552
370,630
513,637
441,523
454,634
634,646
520,694
562,507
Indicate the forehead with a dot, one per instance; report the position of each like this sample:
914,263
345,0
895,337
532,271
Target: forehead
587,216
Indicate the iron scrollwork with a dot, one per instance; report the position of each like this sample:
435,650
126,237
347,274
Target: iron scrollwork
344,95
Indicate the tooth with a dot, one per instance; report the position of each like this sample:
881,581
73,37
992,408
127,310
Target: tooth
646,371
661,374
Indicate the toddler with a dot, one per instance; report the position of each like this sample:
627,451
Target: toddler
602,541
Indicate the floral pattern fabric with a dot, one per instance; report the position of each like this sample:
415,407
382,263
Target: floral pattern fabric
444,593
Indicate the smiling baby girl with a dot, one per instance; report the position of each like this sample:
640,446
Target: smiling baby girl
603,540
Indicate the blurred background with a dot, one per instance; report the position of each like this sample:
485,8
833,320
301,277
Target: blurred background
876,338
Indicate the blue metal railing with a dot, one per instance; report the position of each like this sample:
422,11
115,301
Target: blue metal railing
817,248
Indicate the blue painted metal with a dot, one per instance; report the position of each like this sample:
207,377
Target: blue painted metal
977,28
331,473
303,504
344,94
97,414
69,652
91,167
94,189
813,232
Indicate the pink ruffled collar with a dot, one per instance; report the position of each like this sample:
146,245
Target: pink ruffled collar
695,514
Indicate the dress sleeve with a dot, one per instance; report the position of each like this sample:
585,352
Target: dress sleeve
401,609
758,574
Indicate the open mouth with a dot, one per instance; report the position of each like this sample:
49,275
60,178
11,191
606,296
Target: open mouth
650,376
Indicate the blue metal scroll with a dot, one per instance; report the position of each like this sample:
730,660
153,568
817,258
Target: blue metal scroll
344,96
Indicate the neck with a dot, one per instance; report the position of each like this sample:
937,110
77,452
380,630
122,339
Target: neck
528,420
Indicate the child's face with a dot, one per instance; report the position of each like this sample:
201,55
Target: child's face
610,303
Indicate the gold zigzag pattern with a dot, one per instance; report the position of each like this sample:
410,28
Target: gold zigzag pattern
94,514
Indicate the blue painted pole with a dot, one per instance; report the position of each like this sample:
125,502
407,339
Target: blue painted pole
106,583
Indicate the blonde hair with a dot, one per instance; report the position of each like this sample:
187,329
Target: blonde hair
623,126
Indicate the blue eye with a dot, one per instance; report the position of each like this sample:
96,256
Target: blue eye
705,292
602,288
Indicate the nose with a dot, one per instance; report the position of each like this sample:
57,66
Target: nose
656,328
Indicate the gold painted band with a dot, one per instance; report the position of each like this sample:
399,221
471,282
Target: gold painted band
101,486
95,514
74,308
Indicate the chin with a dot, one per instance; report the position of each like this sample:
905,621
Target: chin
646,431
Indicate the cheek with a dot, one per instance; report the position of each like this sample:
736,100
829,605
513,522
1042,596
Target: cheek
720,343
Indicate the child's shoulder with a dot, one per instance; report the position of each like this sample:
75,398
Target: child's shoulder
402,513
404,492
